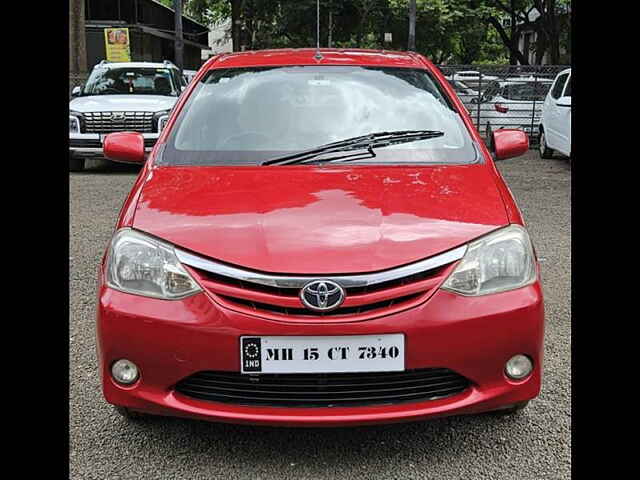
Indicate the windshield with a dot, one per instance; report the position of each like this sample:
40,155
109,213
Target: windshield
131,81
243,116
526,91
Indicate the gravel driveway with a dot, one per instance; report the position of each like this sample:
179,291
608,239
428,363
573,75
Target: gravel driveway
532,445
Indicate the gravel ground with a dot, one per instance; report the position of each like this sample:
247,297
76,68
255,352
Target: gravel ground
534,444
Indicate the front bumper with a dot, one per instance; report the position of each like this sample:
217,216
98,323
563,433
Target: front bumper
170,340
89,145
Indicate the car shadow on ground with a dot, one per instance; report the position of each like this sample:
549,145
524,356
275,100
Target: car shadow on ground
99,166
444,439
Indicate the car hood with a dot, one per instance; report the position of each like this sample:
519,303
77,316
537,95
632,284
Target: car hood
319,220
125,103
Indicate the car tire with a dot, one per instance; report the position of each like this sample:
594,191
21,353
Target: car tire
129,415
516,407
543,149
76,164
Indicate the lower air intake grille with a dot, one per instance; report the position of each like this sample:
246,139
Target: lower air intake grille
323,390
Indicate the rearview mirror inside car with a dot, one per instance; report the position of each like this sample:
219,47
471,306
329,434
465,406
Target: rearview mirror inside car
509,143
127,147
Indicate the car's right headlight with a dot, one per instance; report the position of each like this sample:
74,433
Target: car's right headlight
160,119
143,265
501,261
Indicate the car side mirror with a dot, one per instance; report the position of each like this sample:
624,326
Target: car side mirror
564,102
76,91
127,147
509,143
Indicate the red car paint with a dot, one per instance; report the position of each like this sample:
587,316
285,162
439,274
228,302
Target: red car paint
304,219
126,147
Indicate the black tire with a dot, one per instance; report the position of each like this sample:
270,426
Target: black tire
76,164
129,415
516,407
543,149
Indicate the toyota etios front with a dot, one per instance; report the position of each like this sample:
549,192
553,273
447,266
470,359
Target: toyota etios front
319,241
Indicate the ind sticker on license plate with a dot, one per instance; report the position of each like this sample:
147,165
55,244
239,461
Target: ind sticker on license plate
305,354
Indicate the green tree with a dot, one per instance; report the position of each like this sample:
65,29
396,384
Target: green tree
460,31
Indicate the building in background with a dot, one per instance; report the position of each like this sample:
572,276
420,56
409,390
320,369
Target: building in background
151,26
219,39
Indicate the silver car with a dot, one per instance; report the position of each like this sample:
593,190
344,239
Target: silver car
510,103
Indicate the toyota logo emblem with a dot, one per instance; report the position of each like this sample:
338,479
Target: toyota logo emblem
322,295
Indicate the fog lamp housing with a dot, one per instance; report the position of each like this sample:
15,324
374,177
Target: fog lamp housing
518,367
125,371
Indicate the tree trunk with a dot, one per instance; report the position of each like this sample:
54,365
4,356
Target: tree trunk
554,33
77,38
179,40
236,9
510,43
547,26
384,22
411,44
512,57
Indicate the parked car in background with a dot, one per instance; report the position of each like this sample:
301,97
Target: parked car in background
320,238
464,92
511,103
473,79
555,127
188,75
118,97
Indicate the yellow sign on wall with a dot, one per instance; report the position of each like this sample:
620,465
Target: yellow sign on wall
116,42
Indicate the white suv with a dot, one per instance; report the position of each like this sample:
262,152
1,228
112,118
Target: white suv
132,96
555,128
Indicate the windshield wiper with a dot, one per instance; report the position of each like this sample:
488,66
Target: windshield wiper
369,142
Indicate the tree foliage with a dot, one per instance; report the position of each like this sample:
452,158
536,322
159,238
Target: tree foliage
453,31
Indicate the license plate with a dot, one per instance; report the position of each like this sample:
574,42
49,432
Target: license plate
338,354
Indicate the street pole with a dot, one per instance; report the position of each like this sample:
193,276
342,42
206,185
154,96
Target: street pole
179,43
412,26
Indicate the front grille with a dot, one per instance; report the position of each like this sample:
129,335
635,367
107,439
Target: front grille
339,311
323,390
104,122
381,298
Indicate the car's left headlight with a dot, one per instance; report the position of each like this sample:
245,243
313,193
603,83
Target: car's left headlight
501,261
74,124
143,265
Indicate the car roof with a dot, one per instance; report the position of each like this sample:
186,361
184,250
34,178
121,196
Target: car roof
135,65
307,56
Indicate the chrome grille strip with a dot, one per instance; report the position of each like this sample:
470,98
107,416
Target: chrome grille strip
346,281
103,122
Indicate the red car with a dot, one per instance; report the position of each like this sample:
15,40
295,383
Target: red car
319,238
